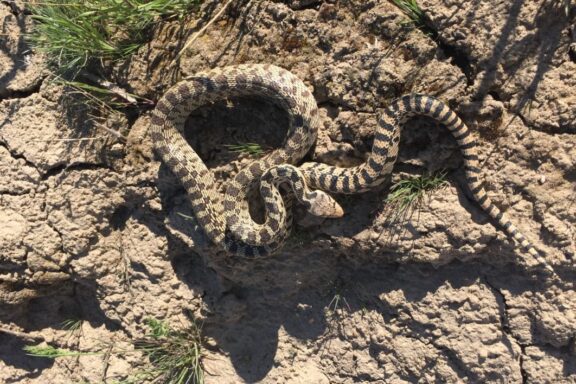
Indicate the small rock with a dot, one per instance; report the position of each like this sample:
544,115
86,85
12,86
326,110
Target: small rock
327,12
301,4
459,35
279,11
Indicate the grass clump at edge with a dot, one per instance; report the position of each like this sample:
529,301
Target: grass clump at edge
175,355
74,33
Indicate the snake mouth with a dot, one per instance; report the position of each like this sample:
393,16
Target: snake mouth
336,213
323,205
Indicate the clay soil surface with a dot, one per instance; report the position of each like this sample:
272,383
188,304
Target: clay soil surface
94,228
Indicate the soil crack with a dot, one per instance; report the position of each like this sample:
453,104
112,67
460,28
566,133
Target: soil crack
17,156
549,129
505,321
8,94
79,166
458,58
10,193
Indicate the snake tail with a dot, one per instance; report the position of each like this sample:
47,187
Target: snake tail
441,113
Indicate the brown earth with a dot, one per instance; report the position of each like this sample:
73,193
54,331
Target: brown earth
92,229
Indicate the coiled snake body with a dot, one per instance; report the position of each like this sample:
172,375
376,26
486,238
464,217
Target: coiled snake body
227,222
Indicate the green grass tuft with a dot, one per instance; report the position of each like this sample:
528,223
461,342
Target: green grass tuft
336,304
99,97
74,33
158,329
51,352
416,15
73,326
412,10
175,355
410,192
253,149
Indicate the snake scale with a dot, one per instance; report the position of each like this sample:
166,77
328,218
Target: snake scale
227,222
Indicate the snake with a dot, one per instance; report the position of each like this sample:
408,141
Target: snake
225,218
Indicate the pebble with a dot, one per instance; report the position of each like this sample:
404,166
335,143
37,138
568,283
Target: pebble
459,35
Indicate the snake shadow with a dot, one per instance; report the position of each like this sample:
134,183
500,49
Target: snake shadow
70,301
254,308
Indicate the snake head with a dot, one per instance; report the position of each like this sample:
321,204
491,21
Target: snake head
323,205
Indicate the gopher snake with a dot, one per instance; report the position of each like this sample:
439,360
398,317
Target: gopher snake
227,221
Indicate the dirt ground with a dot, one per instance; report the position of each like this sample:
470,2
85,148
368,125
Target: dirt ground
92,228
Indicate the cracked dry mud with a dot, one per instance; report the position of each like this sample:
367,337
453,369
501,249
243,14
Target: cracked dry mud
93,229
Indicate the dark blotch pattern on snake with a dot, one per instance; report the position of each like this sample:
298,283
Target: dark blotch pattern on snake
226,220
